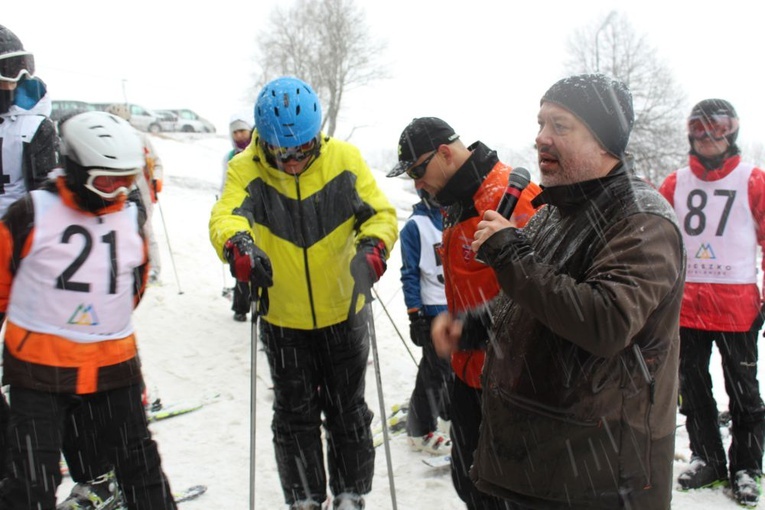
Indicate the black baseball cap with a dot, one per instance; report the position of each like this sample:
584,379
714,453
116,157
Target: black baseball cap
421,136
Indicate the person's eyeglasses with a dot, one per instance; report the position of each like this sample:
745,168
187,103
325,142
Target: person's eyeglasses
298,153
110,183
16,65
715,127
418,171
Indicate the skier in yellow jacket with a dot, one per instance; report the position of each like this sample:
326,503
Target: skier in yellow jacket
301,216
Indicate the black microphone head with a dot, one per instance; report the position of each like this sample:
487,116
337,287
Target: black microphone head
519,178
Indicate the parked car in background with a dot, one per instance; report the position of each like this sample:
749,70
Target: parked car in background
62,107
167,120
190,122
141,118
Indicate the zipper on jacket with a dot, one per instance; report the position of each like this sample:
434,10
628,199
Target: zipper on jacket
305,251
651,391
646,373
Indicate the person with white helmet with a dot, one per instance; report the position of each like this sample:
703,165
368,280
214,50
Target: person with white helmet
77,245
720,203
240,130
150,185
302,220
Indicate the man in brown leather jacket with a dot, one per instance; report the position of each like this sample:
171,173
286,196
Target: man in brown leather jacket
580,387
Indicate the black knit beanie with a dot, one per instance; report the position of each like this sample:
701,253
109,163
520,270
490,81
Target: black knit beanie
602,103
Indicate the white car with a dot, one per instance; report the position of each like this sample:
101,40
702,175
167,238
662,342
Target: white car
167,120
141,118
190,122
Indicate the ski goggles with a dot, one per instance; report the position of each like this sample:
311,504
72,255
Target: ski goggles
15,65
109,184
716,126
418,171
298,153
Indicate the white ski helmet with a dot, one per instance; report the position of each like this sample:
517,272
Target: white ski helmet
99,150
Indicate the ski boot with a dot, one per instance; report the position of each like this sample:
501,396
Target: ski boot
101,493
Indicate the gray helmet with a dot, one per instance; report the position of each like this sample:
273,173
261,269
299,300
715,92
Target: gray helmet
15,61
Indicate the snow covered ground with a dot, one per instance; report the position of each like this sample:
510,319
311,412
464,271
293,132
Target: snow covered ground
191,348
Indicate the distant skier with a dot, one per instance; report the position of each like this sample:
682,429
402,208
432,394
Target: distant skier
302,216
240,130
77,245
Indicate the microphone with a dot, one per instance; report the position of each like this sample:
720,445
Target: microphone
519,179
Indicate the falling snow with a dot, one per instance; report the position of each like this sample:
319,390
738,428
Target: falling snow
191,347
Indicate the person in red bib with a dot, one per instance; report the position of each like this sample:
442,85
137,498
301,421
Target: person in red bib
720,203
73,262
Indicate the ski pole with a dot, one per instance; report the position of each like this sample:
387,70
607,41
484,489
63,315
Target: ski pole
169,247
378,378
406,345
253,389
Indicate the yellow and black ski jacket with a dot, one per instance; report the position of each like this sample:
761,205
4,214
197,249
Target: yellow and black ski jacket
309,226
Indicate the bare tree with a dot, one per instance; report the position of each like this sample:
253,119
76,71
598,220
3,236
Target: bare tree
610,45
326,43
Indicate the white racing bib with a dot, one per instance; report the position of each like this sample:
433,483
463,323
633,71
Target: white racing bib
718,228
77,280
431,268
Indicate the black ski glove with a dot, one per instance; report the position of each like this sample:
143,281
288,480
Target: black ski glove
247,262
419,328
368,265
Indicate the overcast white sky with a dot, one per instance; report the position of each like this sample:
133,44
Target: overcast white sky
481,65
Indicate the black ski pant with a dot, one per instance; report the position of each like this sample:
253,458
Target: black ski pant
738,352
317,372
430,398
112,425
466,421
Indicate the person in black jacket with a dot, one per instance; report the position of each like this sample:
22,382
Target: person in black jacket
579,406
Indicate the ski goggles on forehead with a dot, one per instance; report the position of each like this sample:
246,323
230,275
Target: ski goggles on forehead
111,183
716,126
298,153
14,66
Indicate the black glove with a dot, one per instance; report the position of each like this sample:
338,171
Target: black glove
419,328
368,265
247,262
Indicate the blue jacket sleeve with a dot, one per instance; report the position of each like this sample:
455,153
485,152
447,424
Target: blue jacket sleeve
410,268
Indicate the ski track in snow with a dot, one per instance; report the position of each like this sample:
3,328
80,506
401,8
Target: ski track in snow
191,347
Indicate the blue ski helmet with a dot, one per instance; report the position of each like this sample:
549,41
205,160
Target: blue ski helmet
287,113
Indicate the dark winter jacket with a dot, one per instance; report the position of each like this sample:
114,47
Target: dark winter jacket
28,142
580,389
